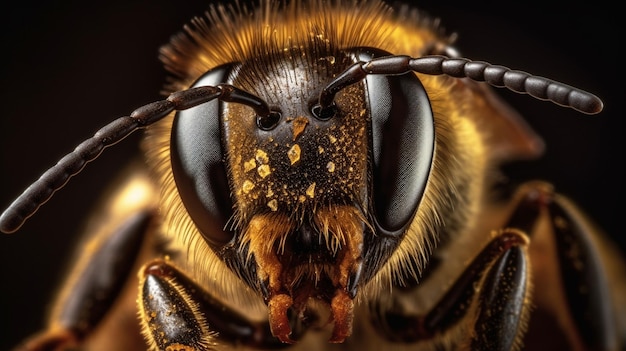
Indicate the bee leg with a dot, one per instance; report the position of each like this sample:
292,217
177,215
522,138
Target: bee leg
499,278
95,288
490,294
582,272
177,314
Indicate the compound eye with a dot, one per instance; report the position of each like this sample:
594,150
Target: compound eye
403,143
197,166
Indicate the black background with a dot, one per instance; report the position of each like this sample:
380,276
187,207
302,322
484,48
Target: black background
69,67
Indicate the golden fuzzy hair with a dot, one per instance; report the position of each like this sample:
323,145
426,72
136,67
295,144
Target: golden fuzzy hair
224,36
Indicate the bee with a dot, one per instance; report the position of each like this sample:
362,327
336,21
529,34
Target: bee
389,306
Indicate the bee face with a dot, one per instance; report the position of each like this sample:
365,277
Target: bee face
305,203
600,143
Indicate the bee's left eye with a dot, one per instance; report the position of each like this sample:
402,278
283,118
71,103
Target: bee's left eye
403,141
196,155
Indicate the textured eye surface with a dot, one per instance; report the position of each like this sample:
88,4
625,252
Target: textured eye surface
196,153
403,139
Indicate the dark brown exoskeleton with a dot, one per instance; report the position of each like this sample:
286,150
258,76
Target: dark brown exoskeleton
317,181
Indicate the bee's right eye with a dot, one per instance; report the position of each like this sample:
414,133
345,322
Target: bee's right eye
197,162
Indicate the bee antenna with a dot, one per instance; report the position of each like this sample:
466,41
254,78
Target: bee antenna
498,76
56,177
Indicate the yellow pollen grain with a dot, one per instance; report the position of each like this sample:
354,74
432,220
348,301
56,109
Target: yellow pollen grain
273,205
310,191
247,186
249,165
330,166
261,156
332,139
294,153
264,170
298,125
320,149
302,198
270,193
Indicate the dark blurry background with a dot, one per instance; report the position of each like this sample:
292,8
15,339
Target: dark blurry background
69,67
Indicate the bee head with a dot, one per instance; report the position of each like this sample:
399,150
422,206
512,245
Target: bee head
294,202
